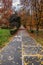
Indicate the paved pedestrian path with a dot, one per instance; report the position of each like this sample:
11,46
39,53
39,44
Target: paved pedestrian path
22,50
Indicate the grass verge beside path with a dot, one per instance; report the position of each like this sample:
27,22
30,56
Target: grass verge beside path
4,36
39,37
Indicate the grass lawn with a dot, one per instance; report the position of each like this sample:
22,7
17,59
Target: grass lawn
39,37
4,36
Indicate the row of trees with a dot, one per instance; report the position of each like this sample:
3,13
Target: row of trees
5,12
33,9
4,16
37,7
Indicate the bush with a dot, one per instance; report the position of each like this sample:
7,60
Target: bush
12,32
32,31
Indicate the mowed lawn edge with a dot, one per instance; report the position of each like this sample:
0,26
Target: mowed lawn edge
4,37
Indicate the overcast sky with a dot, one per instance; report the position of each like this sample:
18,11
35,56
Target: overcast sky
16,0
15,4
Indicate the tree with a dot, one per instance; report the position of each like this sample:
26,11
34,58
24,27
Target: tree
15,23
31,7
36,4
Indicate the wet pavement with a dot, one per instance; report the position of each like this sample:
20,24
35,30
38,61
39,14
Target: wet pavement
22,50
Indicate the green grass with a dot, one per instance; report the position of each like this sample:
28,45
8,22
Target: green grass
4,36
